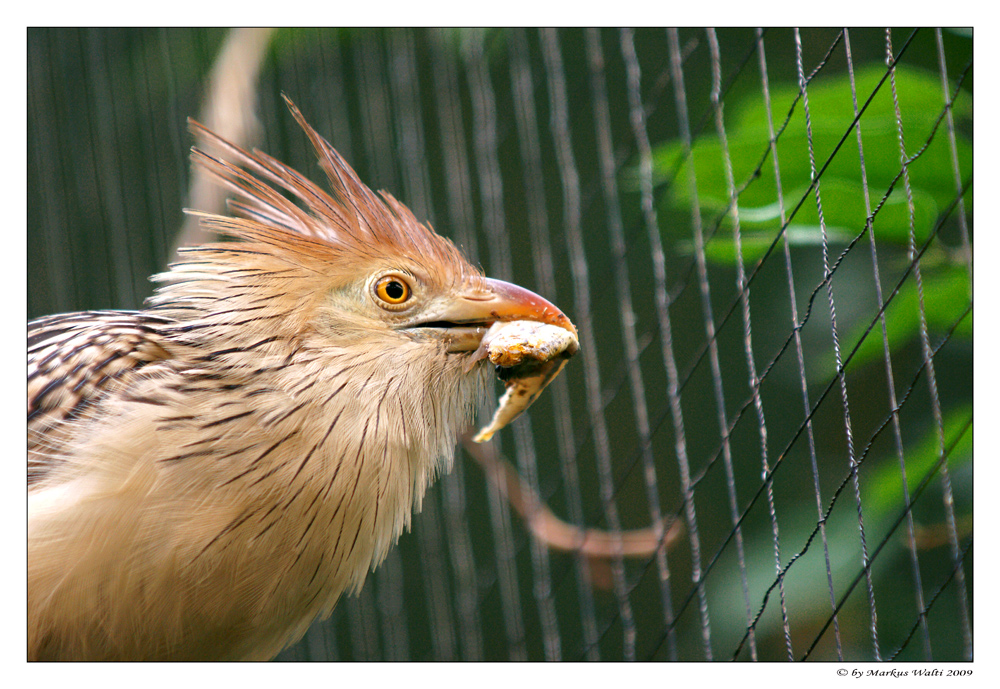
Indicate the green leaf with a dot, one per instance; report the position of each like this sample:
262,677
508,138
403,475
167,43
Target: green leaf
946,296
842,185
883,487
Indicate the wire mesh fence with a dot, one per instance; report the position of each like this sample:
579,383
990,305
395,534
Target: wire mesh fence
764,237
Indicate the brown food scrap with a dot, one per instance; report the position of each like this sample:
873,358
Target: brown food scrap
533,354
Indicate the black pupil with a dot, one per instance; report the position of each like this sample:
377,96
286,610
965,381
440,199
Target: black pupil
394,290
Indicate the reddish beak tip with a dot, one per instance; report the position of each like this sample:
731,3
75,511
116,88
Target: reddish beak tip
514,303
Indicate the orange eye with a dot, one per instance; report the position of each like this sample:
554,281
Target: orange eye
392,290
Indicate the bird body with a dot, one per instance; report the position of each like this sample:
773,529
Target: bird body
209,475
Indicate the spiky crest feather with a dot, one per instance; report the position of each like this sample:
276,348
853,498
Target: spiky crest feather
356,227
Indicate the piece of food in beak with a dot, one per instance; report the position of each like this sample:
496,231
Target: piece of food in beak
530,354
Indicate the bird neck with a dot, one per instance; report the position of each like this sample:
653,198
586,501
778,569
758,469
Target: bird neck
346,441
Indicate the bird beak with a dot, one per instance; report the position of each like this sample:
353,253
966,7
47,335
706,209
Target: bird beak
507,302
468,315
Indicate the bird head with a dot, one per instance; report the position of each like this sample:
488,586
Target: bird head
349,269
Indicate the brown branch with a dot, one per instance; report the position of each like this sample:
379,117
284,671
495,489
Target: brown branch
230,111
554,532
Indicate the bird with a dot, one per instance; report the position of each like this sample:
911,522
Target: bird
208,475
